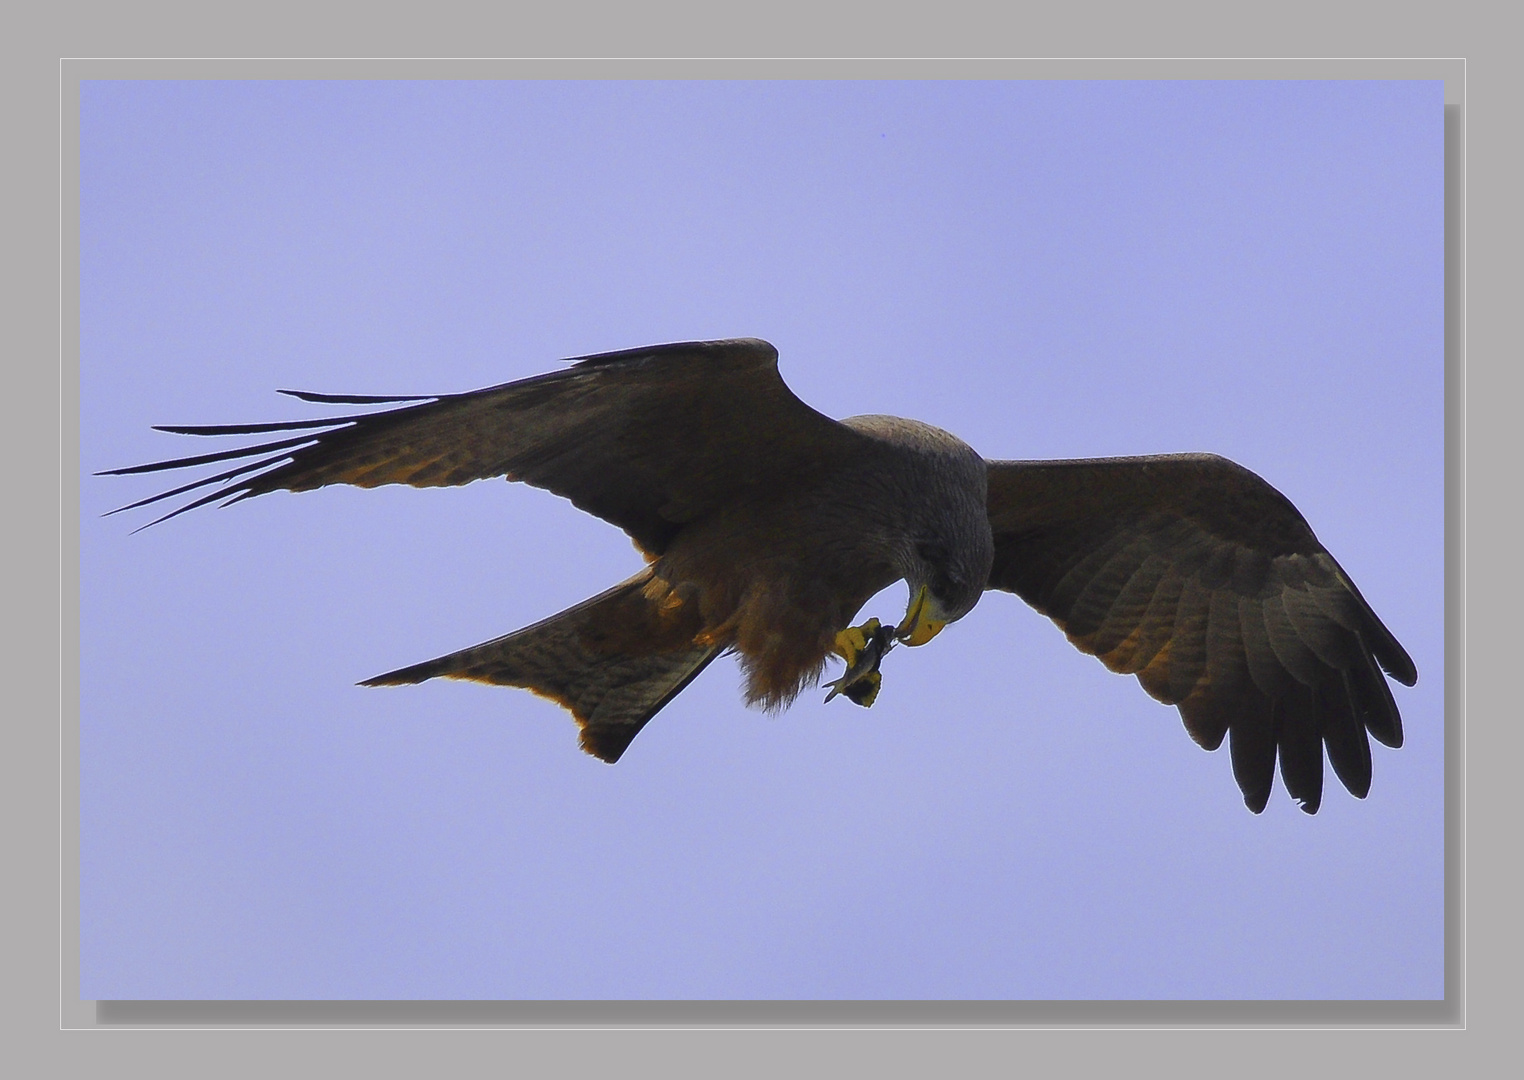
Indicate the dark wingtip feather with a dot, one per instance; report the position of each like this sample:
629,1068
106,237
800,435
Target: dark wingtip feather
219,478
356,399
207,459
1251,748
253,429
407,676
213,497
1372,701
1389,653
1396,662
1300,751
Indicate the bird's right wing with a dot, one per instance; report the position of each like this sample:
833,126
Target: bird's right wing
1192,573
645,438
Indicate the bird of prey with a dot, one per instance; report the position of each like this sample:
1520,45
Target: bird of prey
766,526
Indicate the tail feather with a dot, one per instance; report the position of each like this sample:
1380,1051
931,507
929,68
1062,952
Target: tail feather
612,661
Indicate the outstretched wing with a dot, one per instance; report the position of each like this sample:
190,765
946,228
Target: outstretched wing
645,438
1192,573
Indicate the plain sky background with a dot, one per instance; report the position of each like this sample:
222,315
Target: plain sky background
1046,269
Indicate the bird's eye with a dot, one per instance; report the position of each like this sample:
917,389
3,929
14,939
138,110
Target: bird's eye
935,556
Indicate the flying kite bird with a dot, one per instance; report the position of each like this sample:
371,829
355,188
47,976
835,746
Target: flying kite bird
766,526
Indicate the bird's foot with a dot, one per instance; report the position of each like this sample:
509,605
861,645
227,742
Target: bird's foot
862,647
854,639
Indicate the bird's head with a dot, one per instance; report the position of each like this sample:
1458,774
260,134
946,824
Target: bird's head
946,580
942,545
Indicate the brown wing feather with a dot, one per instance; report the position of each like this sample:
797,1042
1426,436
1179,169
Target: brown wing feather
645,438
1192,573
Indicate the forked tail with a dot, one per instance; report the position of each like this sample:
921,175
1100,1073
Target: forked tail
613,661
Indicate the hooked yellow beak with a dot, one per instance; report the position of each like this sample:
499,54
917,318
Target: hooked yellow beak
918,629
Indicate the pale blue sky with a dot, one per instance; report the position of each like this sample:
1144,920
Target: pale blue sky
1046,269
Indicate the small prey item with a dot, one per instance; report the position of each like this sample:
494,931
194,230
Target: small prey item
860,682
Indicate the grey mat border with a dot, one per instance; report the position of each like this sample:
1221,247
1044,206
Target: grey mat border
1450,70
1449,1012
776,1014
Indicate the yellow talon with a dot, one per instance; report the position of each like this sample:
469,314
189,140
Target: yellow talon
854,639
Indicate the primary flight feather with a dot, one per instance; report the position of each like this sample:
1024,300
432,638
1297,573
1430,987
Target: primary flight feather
767,526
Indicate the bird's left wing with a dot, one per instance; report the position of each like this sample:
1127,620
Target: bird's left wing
1192,573
646,438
